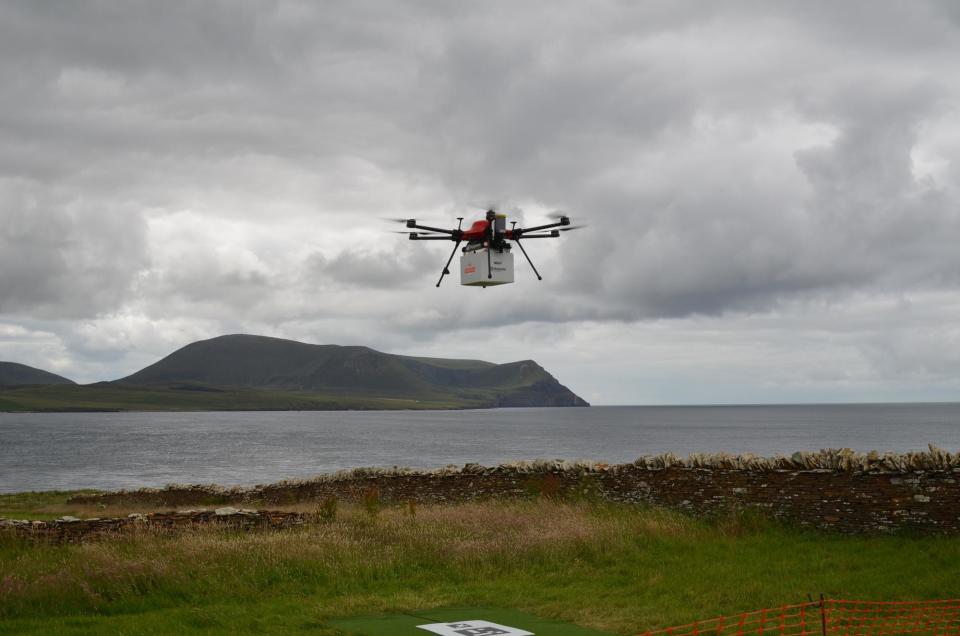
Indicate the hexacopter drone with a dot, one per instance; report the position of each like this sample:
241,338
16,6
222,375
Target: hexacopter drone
486,258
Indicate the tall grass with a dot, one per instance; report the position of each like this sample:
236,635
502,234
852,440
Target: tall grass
612,567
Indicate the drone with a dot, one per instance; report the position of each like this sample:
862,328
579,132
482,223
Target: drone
486,258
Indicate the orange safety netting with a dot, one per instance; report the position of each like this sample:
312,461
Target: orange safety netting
825,617
859,618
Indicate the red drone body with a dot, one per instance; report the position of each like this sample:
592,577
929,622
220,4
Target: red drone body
490,237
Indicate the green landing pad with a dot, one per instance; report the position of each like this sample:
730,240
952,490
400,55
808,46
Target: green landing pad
459,622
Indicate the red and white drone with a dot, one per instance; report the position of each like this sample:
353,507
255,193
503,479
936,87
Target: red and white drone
487,259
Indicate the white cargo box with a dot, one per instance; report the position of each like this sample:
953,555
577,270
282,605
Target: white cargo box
473,268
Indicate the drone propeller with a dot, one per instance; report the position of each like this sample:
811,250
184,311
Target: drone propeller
497,207
571,227
486,205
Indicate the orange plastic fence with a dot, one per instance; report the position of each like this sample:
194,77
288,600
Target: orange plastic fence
826,617
856,618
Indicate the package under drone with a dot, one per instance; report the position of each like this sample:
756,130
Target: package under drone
474,271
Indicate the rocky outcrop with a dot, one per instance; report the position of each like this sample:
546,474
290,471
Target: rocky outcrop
546,392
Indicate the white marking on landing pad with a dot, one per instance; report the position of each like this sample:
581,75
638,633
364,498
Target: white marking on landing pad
474,628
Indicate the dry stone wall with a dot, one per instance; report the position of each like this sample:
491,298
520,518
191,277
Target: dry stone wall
71,529
850,502
837,490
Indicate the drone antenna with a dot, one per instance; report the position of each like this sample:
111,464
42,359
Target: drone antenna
459,222
517,241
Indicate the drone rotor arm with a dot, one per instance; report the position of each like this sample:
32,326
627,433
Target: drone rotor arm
525,236
427,228
564,220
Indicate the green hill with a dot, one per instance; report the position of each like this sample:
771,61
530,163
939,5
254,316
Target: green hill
242,372
15,374
259,362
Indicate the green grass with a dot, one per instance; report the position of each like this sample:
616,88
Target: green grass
614,568
102,397
42,505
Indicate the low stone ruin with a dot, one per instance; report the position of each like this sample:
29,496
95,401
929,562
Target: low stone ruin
832,489
71,529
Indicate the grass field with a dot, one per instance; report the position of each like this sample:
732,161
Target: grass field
615,568
106,397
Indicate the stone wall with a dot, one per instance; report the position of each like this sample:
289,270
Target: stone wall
837,490
849,502
71,529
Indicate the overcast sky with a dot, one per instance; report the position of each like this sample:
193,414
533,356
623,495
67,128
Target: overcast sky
772,188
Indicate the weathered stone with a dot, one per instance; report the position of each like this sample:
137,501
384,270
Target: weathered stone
73,529
865,492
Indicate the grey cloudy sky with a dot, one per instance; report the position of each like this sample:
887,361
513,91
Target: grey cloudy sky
772,188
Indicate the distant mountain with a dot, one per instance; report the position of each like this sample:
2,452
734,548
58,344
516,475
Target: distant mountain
15,374
259,362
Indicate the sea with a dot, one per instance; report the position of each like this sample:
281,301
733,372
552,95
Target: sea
67,451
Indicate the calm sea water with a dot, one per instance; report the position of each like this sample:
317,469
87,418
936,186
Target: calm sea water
40,451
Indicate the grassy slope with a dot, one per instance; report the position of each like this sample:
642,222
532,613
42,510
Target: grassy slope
14,374
258,361
48,504
616,568
106,397
450,363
